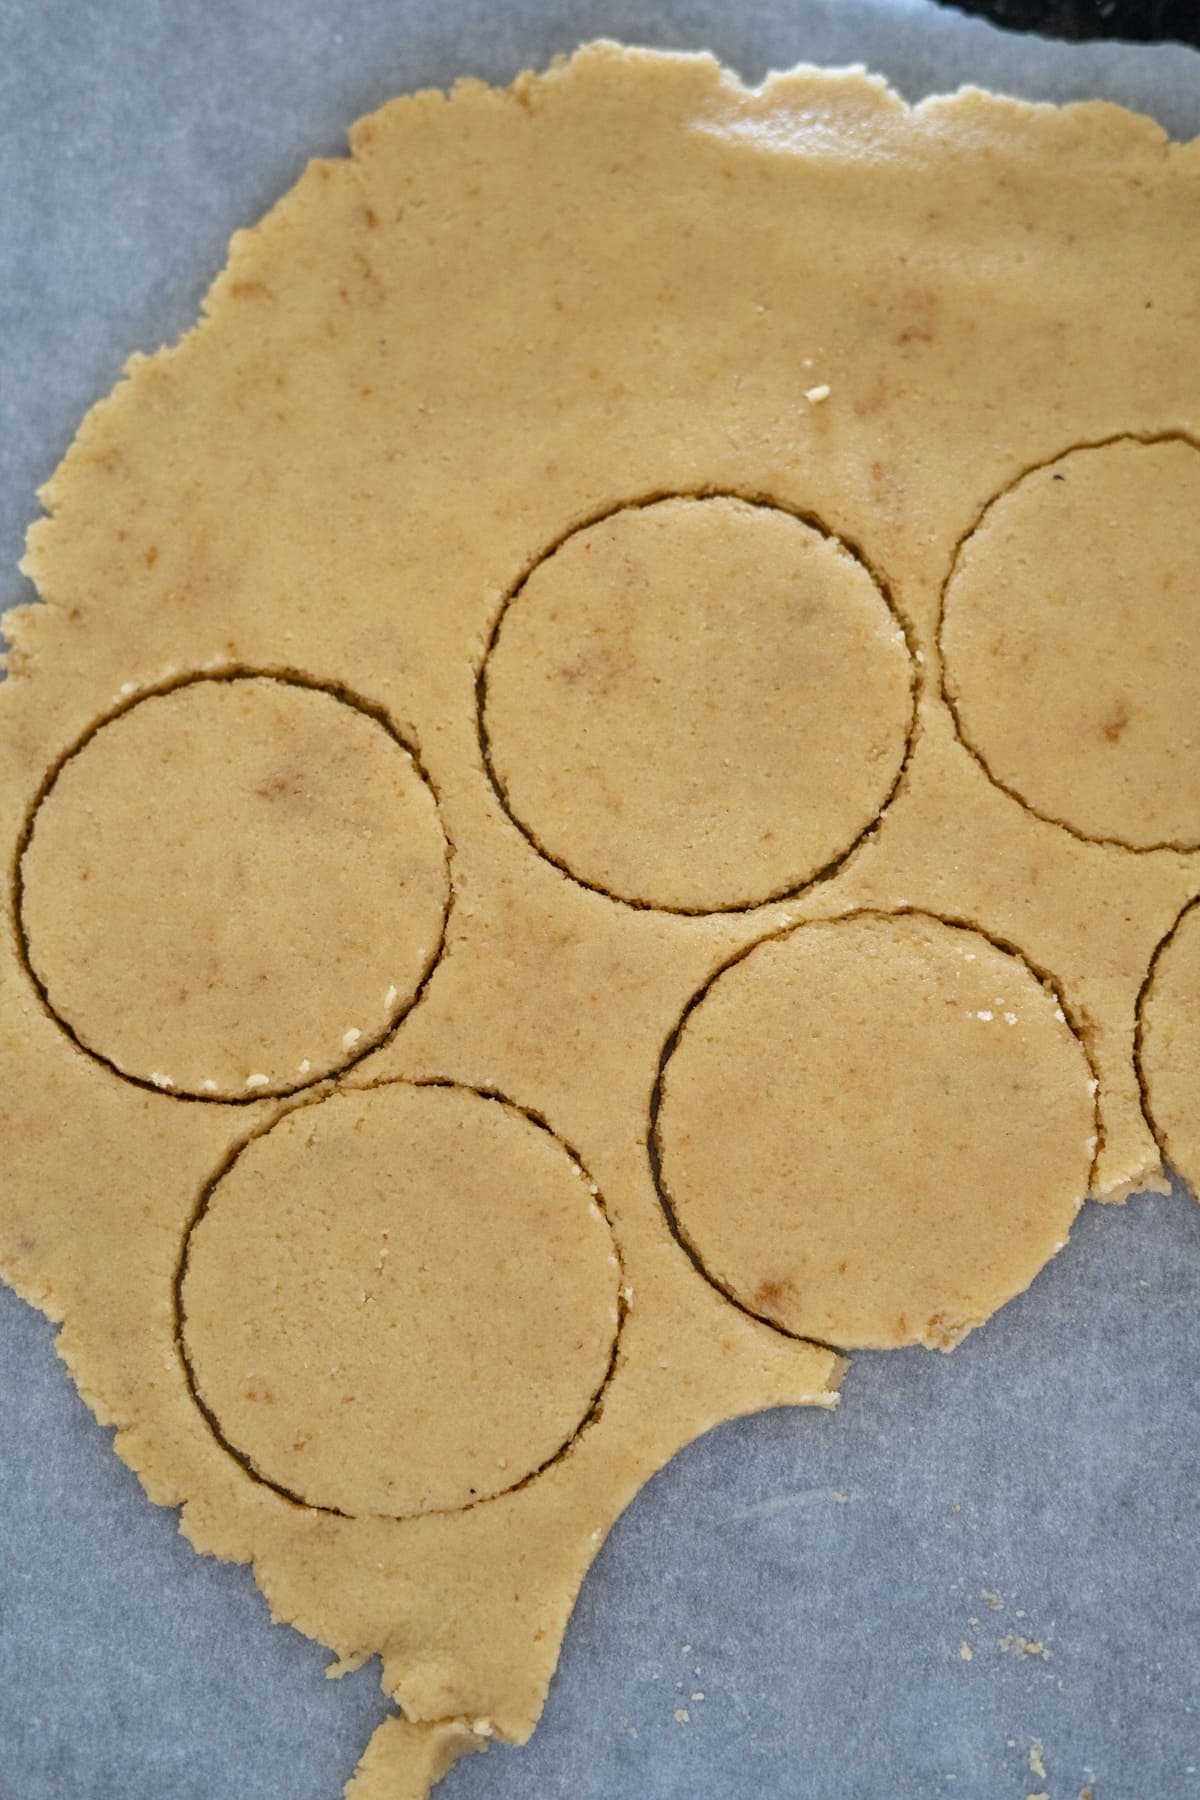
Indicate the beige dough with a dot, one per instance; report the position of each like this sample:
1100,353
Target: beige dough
875,1131
400,1301
624,414
234,888
1071,652
727,694
1169,1045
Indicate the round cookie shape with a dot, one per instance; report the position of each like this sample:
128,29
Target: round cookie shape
697,704
874,1130
399,1300
1069,646
1168,1045
235,887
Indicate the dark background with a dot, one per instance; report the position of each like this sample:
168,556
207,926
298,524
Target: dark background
1141,20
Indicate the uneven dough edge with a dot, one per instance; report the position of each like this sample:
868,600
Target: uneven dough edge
862,103
404,1760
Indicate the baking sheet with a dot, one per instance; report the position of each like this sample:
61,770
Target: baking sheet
819,1581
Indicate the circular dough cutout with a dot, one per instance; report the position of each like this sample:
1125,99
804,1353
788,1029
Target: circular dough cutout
399,1300
1168,1045
875,1130
697,704
1069,642
234,888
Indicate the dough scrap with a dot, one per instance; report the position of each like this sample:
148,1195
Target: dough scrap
404,1760
874,1131
504,316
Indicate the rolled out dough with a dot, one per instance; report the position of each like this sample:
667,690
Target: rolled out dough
557,514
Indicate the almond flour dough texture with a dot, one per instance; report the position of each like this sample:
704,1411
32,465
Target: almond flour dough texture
1168,1045
591,797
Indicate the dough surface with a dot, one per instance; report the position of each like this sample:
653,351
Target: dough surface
371,595
1169,1045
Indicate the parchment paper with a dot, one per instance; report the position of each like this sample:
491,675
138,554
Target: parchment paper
819,1581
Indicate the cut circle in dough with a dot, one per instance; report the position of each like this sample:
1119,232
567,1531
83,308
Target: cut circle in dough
1069,642
874,1130
1168,1045
235,887
399,1300
697,704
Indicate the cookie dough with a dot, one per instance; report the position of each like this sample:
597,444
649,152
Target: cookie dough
234,888
1072,659
874,1131
1169,1045
697,704
813,332
399,1301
